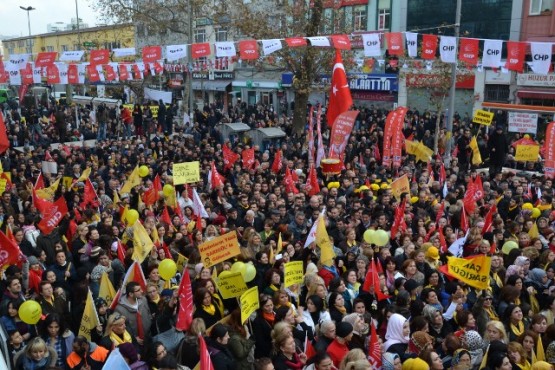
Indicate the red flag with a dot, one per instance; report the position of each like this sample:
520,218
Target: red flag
468,200
312,187
39,184
200,50
134,273
394,43
340,132
398,218
398,139
40,204
89,195
52,74
123,72
27,74
488,221
277,164
53,216
230,157
468,51
101,56
110,73
93,73
374,348
137,75
248,158
442,174
205,361
341,42
46,58
516,52
152,195
72,74
289,183
165,217
464,220
340,95
549,151
377,154
440,212
121,252
4,142
294,42
185,313
429,234
9,251
442,241
152,53
429,46
372,280
158,69
248,49
216,179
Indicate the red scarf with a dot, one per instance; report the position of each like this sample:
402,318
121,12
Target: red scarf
297,365
140,329
269,317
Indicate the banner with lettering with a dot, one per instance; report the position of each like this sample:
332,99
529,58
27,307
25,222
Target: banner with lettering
175,52
248,49
468,51
341,132
397,139
429,47
491,56
269,46
53,215
372,45
412,44
395,43
448,49
541,57
549,151
516,52
474,271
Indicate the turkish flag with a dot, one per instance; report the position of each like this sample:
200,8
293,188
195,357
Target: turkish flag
205,361
295,42
230,157
341,42
185,313
216,179
109,72
4,142
53,216
394,43
374,348
516,52
429,46
27,74
101,56
398,218
488,221
200,50
152,53
152,195
468,51
93,73
123,72
247,156
248,49
52,74
340,94
312,187
72,74
46,59
277,164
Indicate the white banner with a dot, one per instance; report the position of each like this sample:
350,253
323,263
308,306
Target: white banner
321,41
16,62
492,53
72,56
269,46
50,167
124,52
175,52
541,57
225,49
156,95
81,70
100,71
372,46
525,123
62,68
15,77
37,74
448,49
412,44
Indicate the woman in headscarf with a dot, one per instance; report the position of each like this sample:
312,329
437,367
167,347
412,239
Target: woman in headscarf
474,344
537,278
437,326
391,361
397,336
524,263
360,329
420,341
461,358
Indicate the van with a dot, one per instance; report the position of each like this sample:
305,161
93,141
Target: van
6,96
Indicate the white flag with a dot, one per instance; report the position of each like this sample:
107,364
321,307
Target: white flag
72,56
225,49
312,233
100,71
492,53
62,68
81,72
448,49
175,52
412,44
372,45
269,46
198,208
124,52
541,57
15,77
16,62
37,74
456,248
321,41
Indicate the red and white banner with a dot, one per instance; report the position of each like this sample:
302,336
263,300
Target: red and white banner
341,132
152,53
247,156
123,72
549,151
46,58
205,360
468,51
395,43
27,74
340,94
294,42
429,47
277,165
200,50
398,139
53,215
93,73
516,52
248,49
312,187
101,56
185,313
341,42
230,157
52,74
387,134
72,74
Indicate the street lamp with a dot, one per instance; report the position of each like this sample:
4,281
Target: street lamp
28,9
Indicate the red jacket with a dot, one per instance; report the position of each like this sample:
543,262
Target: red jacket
337,352
126,116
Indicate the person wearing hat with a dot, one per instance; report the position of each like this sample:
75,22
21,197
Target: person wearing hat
339,346
221,356
33,273
129,353
87,355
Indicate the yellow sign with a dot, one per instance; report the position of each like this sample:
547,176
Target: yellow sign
186,173
90,318
249,303
473,271
153,109
294,273
527,153
3,183
181,262
219,249
400,186
476,156
482,117
232,285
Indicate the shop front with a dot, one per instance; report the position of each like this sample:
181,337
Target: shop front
253,92
535,89
372,89
212,87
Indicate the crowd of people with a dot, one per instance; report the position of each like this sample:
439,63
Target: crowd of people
422,318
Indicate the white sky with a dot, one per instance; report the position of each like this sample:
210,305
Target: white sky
13,20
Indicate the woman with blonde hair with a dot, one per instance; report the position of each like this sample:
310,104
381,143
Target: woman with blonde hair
352,357
35,356
495,330
357,365
188,352
211,232
518,355
116,333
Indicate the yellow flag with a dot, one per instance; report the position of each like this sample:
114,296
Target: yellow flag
279,244
534,232
142,244
476,156
271,256
410,147
323,241
171,200
116,199
473,271
48,193
106,291
90,318
67,181
423,153
133,180
156,237
85,175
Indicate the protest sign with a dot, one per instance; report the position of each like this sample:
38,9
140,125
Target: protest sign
219,249
186,172
232,285
249,303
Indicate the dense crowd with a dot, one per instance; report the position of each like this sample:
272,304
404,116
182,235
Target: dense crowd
423,319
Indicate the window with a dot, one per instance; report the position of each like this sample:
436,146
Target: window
538,6
11,51
359,18
496,93
384,18
221,34
200,35
50,48
21,43
65,48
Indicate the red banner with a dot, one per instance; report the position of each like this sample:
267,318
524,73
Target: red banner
152,53
200,50
394,43
53,216
248,49
3,74
27,74
52,74
341,132
230,157
137,72
341,42
468,51
248,158
123,72
22,91
109,72
185,313
46,59
277,164
549,149
397,137
312,187
294,42
72,74
429,46
93,73
387,133
516,52
101,56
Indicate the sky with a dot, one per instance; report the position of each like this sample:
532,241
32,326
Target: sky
13,20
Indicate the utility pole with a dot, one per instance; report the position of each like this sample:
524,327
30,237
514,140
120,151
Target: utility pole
28,10
190,66
451,111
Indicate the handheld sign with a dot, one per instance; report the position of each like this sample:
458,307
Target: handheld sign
219,249
249,303
232,285
186,173
482,117
293,273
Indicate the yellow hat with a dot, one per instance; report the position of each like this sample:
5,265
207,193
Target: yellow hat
191,226
332,185
415,364
384,186
414,200
528,206
432,253
377,181
375,187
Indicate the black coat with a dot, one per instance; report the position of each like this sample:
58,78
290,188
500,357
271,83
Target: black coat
500,143
221,357
262,333
209,320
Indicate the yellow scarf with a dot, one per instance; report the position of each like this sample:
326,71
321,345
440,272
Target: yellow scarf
274,288
117,340
343,310
525,366
543,207
210,309
219,304
518,331
498,280
540,356
491,314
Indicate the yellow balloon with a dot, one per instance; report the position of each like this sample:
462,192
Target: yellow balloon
239,267
30,312
168,190
225,273
380,238
369,235
131,216
527,206
250,272
167,269
143,171
536,212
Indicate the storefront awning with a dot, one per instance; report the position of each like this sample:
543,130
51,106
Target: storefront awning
210,85
518,107
536,94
